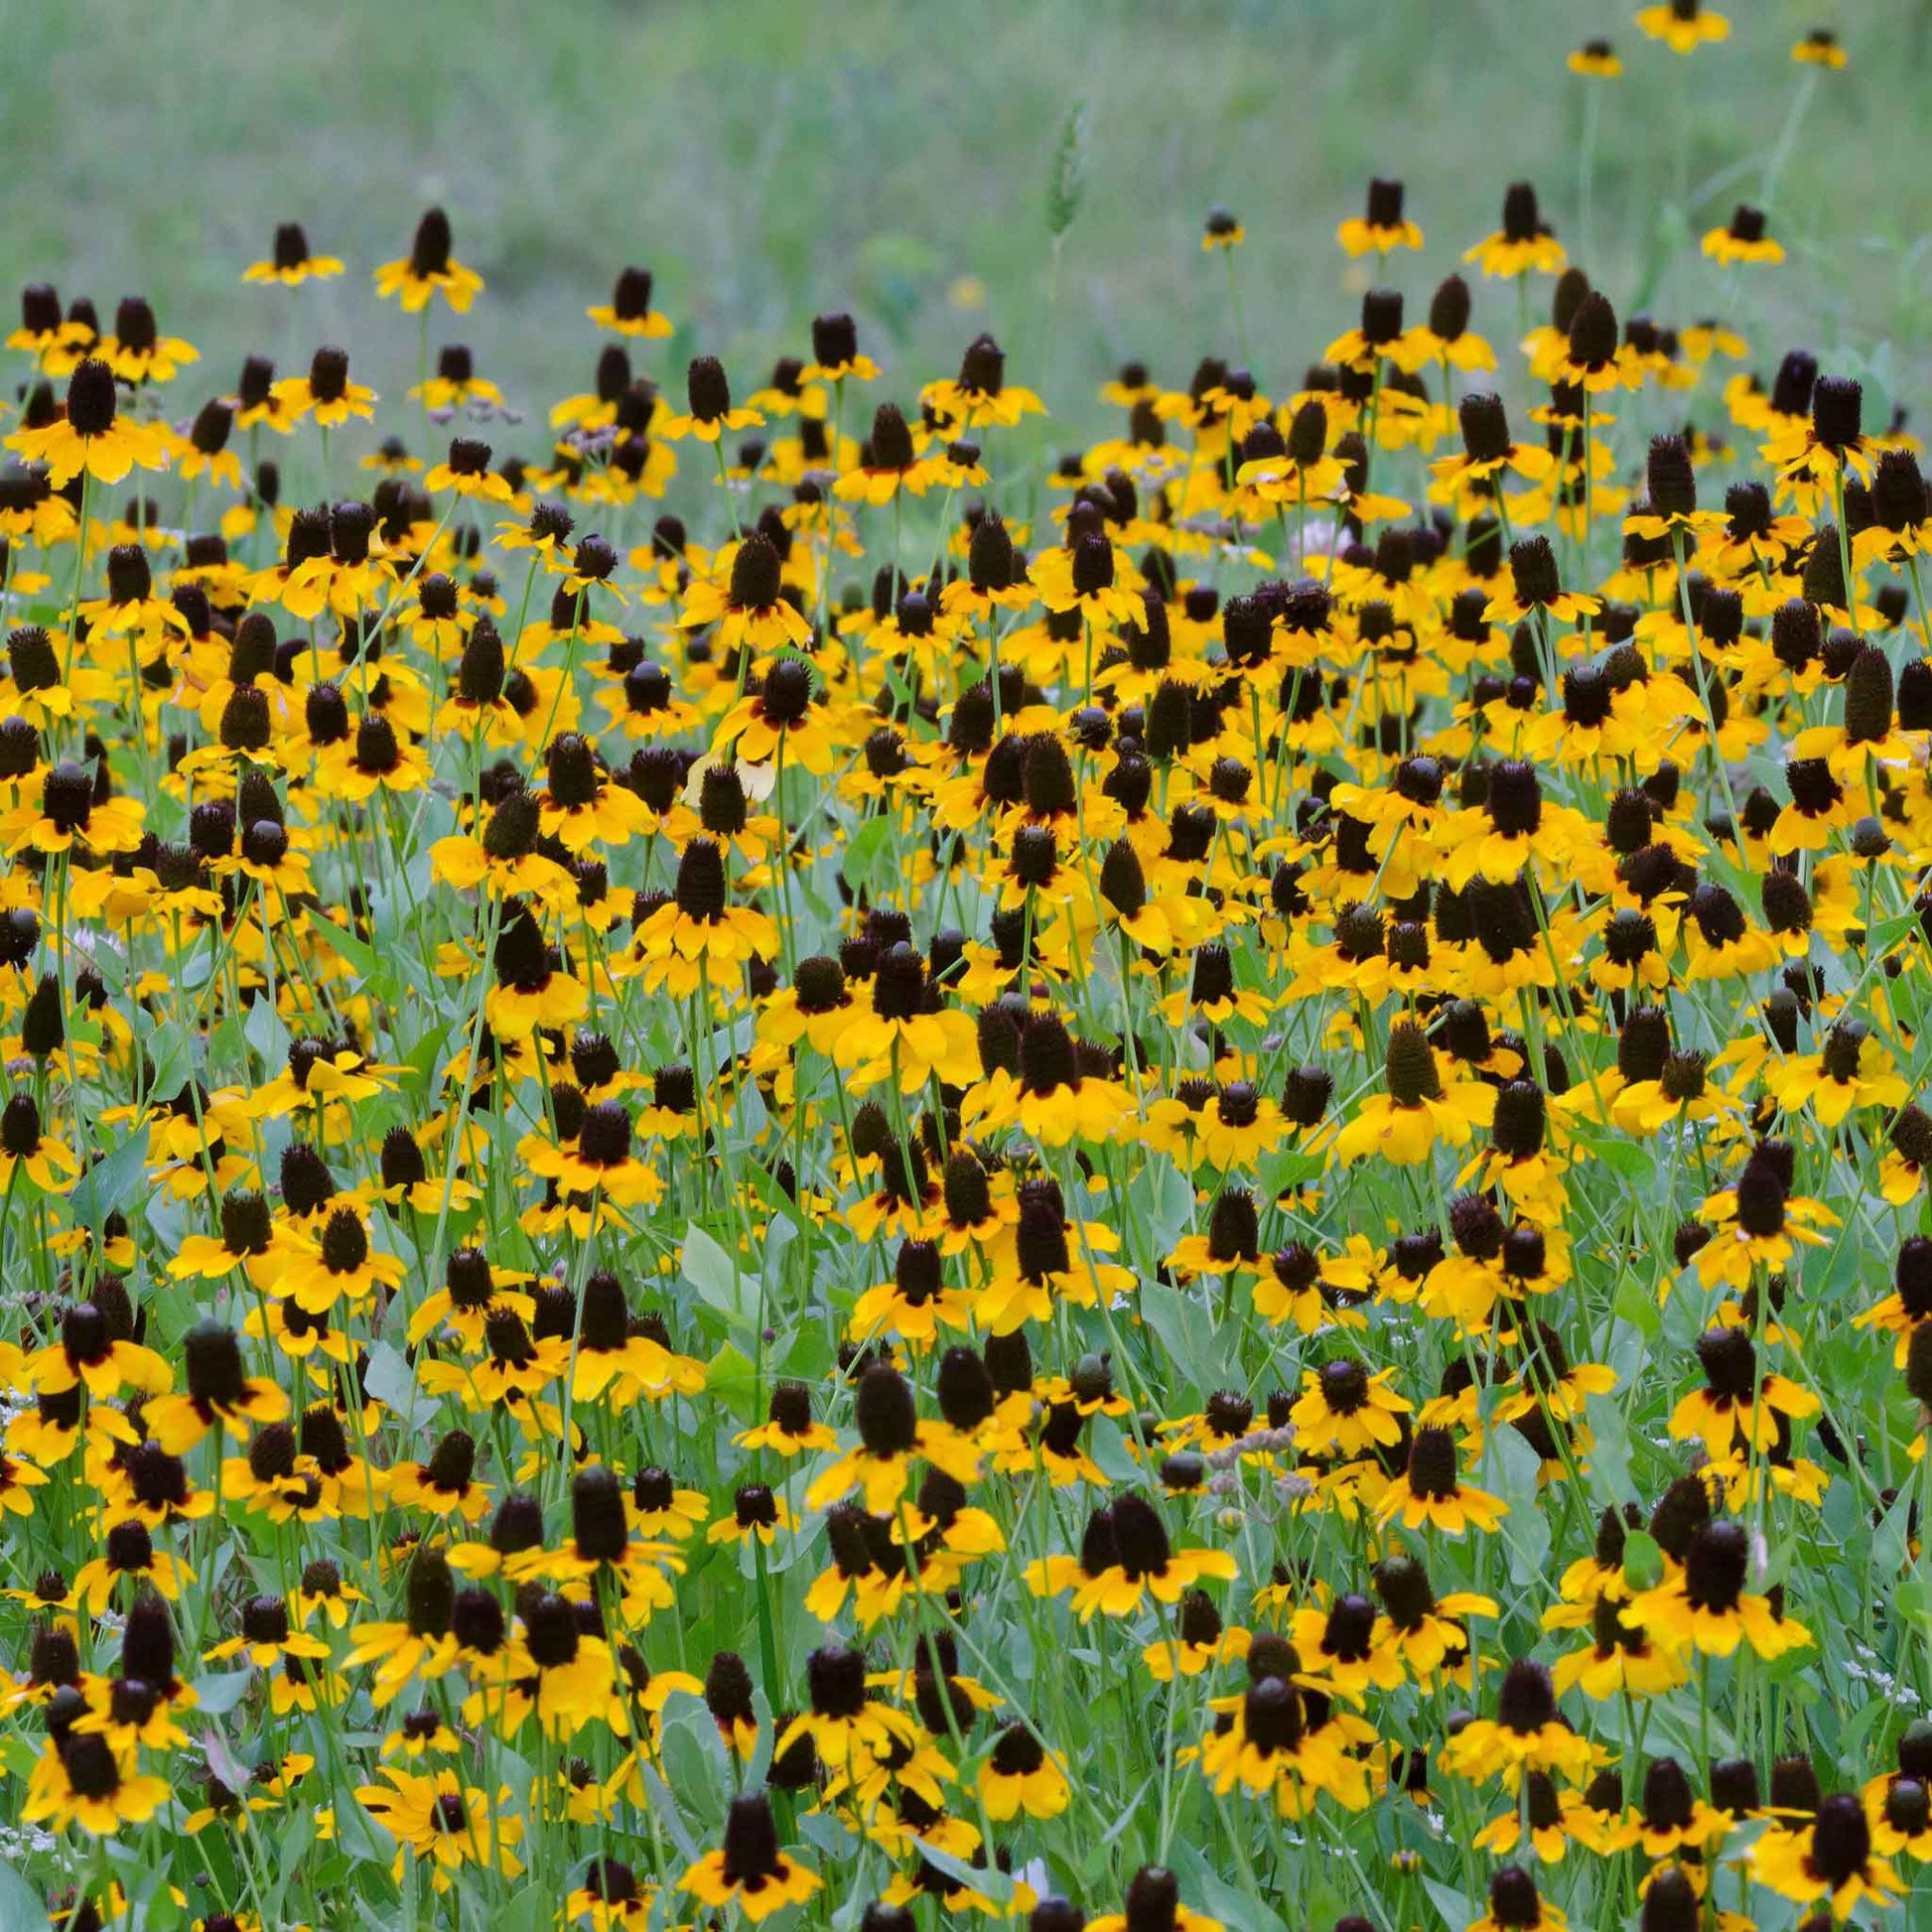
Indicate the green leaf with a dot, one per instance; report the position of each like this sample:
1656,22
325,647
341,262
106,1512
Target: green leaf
425,1056
267,1032
1643,1562
1626,1157
392,1382
295,1841
668,1815
1454,1905
532,1908
992,1883
106,1185
20,1909
729,1376
1283,1172
1234,1906
775,1197
1182,1332
868,863
358,952
1637,1305
720,1280
1526,1530
1889,1540
1170,1200
221,1691
1610,1458
1066,184
1108,1445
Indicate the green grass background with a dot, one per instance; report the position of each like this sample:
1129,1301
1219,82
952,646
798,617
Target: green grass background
768,158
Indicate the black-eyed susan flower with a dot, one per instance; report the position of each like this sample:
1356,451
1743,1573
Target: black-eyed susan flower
43,329
1346,1409
1527,1734
466,471
428,270
1514,1904
128,1555
84,1779
1743,240
746,601
1708,1607
1139,1561
137,352
888,463
1382,224
979,395
89,1355
218,1391
1430,1491
1596,59
1738,1405
836,356
291,261
1589,353
325,393
891,1437
1525,242
1222,230
456,385
1619,1659
91,434
1829,1857
338,1262
1151,1903
1683,25
708,412
1417,1109
749,1867
438,1819
630,311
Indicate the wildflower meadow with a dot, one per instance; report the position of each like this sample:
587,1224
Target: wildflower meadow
1132,1150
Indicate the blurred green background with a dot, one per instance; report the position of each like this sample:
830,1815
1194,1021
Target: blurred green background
768,159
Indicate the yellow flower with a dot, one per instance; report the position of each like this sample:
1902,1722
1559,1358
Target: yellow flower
137,352
325,393
628,311
1523,243
444,1824
1596,59
1404,1124
91,435
750,1868
428,269
1430,1493
87,1781
1344,1410
746,601
290,261
1382,225
1830,1857
466,471
1744,240
981,396
1706,1607
709,411
1683,25
1021,1776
